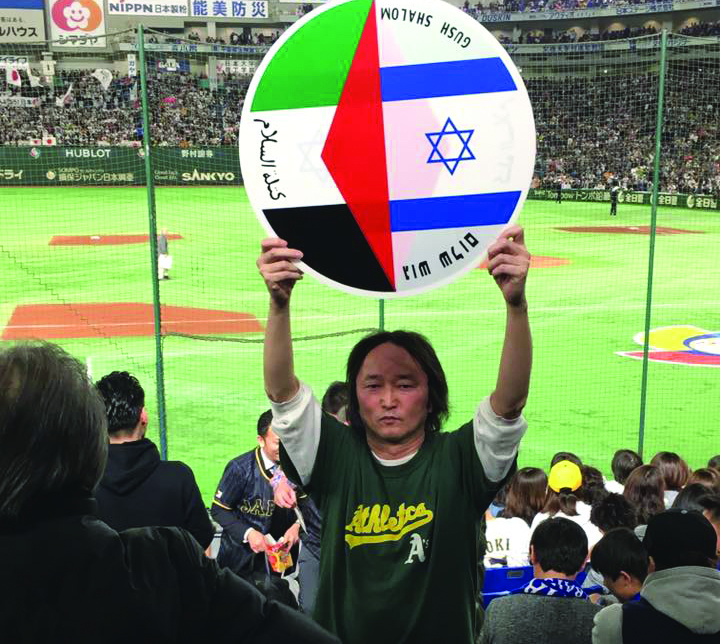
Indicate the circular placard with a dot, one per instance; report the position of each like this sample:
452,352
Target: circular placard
391,141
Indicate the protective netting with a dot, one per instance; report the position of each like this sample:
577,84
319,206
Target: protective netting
77,264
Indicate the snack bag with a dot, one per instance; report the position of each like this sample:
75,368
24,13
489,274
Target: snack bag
278,555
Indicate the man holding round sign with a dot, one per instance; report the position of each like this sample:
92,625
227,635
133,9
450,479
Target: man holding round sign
401,501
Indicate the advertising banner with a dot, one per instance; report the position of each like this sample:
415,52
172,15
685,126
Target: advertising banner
73,166
77,23
21,21
257,9
150,8
674,200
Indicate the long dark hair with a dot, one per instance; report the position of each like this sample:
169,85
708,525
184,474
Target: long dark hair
645,489
593,485
422,352
564,502
525,494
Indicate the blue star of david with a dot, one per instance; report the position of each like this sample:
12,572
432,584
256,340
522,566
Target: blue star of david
449,130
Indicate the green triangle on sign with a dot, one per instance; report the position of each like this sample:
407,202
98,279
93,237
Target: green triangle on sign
311,67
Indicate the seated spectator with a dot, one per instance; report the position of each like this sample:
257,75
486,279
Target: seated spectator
623,463
74,578
707,476
680,599
138,489
675,473
622,561
563,499
645,490
714,462
613,511
690,496
551,607
593,487
508,536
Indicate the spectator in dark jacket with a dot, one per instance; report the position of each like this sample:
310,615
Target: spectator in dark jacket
71,578
138,489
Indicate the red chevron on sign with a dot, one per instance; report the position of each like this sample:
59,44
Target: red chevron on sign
354,152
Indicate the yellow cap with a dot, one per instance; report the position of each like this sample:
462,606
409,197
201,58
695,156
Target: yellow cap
565,475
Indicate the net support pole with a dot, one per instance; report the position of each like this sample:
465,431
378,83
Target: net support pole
381,315
653,227
152,228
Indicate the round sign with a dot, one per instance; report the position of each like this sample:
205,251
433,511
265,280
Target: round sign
389,140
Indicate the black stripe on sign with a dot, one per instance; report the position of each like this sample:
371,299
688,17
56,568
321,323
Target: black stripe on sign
332,244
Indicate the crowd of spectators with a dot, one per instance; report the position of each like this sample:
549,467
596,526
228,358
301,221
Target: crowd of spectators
571,36
589,130
532,6
185,112
304,8
619,525
702,29
593,131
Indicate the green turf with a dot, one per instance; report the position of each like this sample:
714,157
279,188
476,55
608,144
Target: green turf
583,398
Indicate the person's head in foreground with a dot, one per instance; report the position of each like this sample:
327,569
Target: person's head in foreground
398,390
677,538
622,560
558,549
53,442
53,448
125,406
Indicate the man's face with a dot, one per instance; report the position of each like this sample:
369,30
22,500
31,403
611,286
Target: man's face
392,393
270,444
624,587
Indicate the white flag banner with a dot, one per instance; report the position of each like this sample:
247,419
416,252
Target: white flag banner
63,100
132,65
104,76
48,67
12,76
34,80
49,140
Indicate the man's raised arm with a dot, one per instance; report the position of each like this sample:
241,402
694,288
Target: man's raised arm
296,413
280,274
498,425
508,263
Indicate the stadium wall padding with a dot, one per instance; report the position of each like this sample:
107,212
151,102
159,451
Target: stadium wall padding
672,200
97,166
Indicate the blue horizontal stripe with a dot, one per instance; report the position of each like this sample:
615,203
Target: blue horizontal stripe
455,78
21,4
452,212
